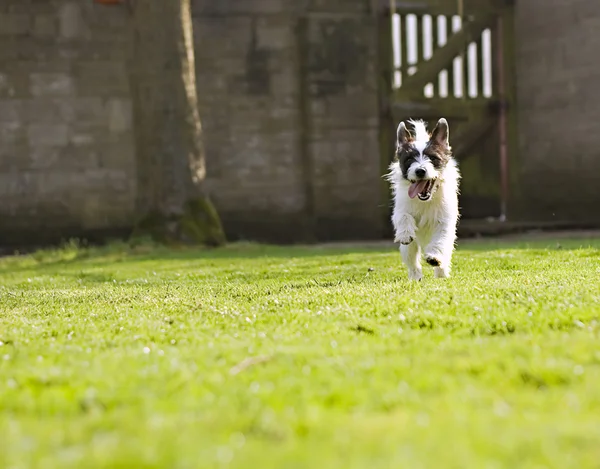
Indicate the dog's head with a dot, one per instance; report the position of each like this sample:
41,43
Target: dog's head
422,158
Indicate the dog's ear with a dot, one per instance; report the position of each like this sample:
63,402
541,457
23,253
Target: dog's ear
441,133
402,134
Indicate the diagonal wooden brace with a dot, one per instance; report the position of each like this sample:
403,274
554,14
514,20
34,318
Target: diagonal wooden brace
440,7
427,71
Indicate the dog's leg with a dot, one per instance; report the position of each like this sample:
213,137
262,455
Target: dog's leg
405,227
439,251
411,256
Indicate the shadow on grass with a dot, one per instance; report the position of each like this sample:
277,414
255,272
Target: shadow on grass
120,252
117,253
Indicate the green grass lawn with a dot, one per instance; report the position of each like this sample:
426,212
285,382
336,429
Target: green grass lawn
320,358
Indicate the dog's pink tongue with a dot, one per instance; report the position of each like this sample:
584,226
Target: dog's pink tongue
416,188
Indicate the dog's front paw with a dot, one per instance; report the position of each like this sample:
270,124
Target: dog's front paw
404,239
438,272
433,260
415,274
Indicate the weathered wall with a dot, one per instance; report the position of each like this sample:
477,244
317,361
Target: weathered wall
65,145
343,118
288,96
288,101
558,165
248,87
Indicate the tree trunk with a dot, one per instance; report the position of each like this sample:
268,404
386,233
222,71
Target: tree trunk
172,203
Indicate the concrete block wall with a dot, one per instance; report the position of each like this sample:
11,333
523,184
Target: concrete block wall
343,119
558,72
66,148
288,101
249,99
288,97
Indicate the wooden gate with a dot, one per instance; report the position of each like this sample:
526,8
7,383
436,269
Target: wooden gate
454,59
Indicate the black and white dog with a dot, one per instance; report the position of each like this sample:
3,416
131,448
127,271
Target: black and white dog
424,179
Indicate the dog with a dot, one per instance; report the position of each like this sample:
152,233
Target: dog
425,184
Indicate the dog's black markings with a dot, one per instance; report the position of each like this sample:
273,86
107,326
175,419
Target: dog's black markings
433,261
437,150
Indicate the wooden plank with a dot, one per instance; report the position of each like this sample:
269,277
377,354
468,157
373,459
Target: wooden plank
434,47
434,108
470,135
385,58
494,53
419,44
443,7
479,65
444,56
476,118
450,69
403,48
466,78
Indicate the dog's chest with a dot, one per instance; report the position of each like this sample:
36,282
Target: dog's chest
425,222
427,215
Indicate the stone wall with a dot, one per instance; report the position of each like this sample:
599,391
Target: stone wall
289,103
249,92
343,119
558,164
288,99
66,162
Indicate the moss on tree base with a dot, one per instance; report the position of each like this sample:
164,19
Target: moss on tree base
199,223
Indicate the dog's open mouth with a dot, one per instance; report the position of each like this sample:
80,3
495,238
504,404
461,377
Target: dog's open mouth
422,189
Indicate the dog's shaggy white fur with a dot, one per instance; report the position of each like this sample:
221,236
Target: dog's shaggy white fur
424,179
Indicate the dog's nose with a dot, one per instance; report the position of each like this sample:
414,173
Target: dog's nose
420,173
